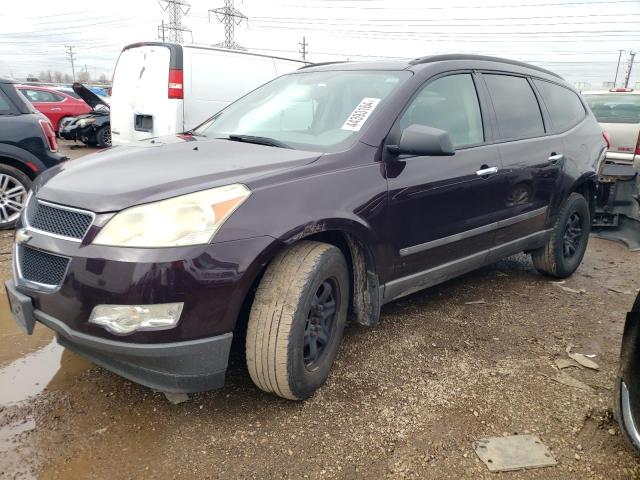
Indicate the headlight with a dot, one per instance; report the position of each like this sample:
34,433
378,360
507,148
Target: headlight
190,219
83,122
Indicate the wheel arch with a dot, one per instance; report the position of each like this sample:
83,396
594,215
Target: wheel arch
586,186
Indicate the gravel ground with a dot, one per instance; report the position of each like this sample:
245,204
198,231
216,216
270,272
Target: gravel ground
406,398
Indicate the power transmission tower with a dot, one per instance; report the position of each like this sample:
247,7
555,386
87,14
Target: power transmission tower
230,17
632,56
615,80
303,45
174,29
70,54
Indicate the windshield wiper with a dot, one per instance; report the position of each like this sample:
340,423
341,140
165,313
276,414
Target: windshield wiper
272,142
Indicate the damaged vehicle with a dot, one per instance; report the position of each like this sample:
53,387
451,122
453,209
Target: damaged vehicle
319,196
93,128
627,403
617,215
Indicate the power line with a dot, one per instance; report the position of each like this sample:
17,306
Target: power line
229,16
449,7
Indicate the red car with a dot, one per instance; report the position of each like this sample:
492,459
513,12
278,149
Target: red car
54,104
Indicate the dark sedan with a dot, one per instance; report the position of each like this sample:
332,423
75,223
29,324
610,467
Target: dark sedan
324,193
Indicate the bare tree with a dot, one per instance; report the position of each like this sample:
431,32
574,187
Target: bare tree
46,76
66,78
103,78
84,76
57,76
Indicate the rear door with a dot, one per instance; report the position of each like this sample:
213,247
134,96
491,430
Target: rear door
140,103
531,159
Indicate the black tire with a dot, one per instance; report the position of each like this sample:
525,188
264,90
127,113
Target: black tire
558,258
284,324
12,193
103,137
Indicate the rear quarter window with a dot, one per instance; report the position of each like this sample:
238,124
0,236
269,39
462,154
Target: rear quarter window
564,106
5,106
516,107
615,107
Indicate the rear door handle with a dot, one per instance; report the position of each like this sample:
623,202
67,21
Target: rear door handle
555,158
486,171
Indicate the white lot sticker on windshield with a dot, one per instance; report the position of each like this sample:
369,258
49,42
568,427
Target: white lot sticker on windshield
360,114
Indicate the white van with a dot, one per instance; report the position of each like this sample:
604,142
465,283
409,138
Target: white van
164,88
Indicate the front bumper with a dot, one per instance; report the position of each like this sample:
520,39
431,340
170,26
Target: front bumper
185,367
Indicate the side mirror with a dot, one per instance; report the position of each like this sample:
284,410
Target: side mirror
423,141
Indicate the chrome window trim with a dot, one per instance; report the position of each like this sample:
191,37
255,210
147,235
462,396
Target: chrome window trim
473,232
60,207
23,282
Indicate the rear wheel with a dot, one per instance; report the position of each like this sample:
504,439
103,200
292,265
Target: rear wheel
297,319
564,250
103,136
14,186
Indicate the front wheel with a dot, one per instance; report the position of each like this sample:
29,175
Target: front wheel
103,137
564,250
297,319
14,186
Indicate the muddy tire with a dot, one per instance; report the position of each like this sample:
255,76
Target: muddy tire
14,187
297,319
564,250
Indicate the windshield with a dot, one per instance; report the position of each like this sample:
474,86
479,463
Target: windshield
615,108
320,111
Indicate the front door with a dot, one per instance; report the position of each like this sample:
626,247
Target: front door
442,209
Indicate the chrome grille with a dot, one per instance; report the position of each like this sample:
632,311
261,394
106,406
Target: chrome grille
58,220
41,267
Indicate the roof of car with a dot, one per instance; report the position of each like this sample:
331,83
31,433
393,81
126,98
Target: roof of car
403,64
607,92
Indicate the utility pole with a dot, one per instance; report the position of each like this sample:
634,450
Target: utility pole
303,46
632,56
230,17
615,80
70,53
176,9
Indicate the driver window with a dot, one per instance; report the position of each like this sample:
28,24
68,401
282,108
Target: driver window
449,103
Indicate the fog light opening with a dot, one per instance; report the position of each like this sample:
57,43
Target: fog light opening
126,319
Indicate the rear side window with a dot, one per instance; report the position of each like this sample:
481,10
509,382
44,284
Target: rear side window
564,106
41,96
449,103
516,107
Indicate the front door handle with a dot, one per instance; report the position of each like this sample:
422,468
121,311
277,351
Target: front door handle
486,171
554,158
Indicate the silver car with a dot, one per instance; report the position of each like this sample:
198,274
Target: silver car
617,215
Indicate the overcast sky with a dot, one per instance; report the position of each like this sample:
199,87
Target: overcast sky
579,39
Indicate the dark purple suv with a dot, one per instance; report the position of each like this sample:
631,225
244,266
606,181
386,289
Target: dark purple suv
317,197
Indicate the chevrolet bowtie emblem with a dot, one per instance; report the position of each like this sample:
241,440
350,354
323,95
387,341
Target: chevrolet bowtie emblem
22,236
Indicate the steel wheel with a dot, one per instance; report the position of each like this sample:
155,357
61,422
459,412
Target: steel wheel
320,322
12,197
572,235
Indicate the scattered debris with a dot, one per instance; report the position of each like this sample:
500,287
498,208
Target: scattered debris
475,302
515,452
100,431
565,363
584,361
569,381
582,291
176,398
619,290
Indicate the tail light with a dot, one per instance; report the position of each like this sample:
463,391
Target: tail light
49,134
607,138
638,145
175,84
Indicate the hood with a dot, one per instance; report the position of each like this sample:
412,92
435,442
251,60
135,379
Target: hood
88,96
124,176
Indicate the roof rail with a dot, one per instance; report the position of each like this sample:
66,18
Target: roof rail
321,64
462,56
